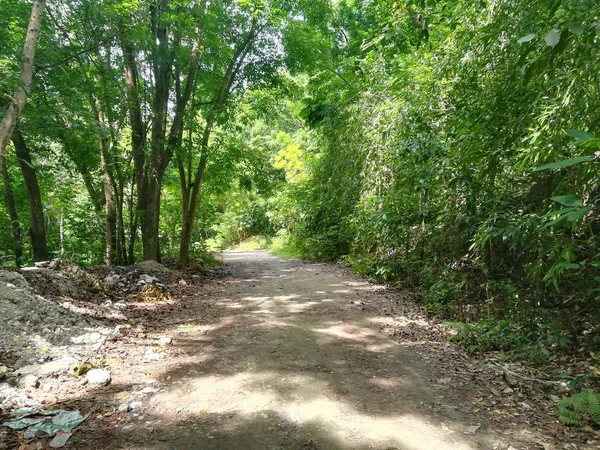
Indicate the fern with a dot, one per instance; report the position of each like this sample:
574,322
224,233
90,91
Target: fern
576,409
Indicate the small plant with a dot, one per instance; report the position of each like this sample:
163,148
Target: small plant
578,409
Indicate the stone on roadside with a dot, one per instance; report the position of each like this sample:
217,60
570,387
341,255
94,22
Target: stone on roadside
165,341
135,406
61,365
111,280
28,381
98,377
123,408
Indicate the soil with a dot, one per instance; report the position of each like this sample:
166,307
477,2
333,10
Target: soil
280,354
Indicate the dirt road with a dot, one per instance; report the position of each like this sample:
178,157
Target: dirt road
289,358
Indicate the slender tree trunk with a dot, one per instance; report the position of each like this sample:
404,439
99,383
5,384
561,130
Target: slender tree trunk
38,223
9,122
150,236
189,209
110,256
133,224
121,243
14,217
61,233
110,253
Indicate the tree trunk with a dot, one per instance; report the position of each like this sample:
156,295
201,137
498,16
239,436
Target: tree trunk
38,223
150,239
17,104
189,211
110,256
190,199
14,217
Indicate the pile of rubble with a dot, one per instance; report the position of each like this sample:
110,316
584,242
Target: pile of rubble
54,343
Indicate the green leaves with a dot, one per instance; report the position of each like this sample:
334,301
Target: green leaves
568,200
527,38
552,38
565,163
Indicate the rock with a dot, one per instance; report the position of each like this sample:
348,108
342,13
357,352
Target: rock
151,355
508,390
88,338
61,365
123,408
147,279
47,387
35,318
182,282
135,405
120,305
111,280
98,377
3,371
526,406
28,381
165,341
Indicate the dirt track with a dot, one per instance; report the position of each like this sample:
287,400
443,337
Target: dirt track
286,359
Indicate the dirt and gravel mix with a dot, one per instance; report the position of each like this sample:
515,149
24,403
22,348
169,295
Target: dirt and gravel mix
266,353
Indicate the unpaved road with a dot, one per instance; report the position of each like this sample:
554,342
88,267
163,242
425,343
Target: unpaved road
286,360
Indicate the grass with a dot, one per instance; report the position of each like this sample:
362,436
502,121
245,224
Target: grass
283,248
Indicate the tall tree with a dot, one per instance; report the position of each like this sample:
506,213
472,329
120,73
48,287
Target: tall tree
37,232
20,97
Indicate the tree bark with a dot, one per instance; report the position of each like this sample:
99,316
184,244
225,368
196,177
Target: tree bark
38,223
17,104
14,217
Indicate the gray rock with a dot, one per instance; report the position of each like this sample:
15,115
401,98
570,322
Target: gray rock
124,408
35,318
98,377
62,365
182,282
88,338
135,406
111,280
147,279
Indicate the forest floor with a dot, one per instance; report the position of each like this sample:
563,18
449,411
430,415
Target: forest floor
281,354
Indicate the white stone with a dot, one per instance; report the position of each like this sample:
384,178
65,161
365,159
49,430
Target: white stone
28,381
182,282
124,408
165,341
98,377
111,280
135,405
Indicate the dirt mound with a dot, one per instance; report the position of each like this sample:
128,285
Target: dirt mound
153,268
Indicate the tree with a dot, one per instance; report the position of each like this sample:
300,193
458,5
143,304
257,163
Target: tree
17,103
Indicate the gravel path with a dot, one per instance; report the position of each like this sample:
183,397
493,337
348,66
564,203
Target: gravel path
282,355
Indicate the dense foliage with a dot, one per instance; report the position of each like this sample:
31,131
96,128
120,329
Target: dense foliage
442,144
